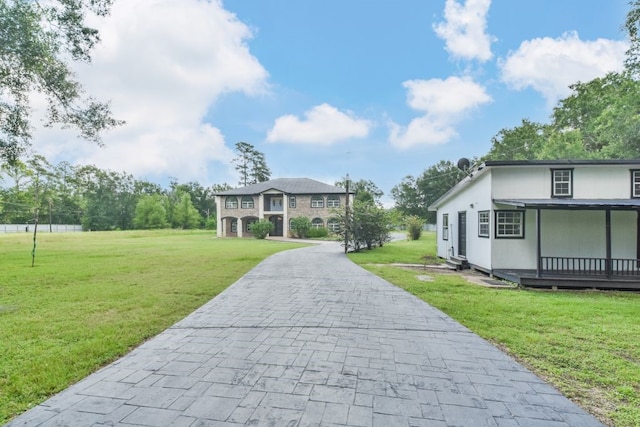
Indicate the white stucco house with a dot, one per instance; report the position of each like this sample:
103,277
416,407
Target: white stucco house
569,223
279,201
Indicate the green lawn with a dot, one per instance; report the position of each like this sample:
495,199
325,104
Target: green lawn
91,297
585,343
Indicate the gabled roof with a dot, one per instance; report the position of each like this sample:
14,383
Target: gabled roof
482,168
287,186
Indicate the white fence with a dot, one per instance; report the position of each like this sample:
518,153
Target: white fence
42,228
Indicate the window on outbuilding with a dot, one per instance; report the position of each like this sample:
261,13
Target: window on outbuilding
247,202
635,183
561,182
317,202
333,201
483,224
509,225
445,226
317,223
231,202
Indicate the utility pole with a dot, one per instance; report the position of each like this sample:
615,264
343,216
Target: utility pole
346,218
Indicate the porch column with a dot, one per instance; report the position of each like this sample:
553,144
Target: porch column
219,216
538,246
260,206
285,215
608,243
239,227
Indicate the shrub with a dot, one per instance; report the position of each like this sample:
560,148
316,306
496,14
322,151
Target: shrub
300,226
262,228
211,224
414,227
317,233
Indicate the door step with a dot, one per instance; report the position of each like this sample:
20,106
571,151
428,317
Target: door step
458,263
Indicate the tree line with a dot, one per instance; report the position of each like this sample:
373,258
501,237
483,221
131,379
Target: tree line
99,199
34,189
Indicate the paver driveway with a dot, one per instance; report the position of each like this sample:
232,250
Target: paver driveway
308,338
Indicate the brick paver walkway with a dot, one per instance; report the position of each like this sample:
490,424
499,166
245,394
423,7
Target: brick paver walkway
307,338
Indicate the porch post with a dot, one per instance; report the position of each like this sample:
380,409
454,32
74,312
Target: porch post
538,247
608,244
219,216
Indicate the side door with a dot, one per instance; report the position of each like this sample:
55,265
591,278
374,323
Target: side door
462,234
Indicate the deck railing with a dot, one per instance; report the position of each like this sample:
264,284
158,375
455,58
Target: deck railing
625,267
589,266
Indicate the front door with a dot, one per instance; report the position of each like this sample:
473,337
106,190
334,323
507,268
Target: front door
276,220
462,234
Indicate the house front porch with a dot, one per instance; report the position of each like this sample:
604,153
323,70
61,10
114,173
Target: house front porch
577,273
581,244
557,279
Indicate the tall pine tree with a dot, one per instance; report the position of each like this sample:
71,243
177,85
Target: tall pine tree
251,164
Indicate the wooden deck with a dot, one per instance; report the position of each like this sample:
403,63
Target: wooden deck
529,279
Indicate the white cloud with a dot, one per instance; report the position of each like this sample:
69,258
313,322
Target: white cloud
464,29
444,102
550,65
163,64
323,124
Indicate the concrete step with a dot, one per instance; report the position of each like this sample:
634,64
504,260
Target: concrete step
458,263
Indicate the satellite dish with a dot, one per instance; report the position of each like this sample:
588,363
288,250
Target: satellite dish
463,164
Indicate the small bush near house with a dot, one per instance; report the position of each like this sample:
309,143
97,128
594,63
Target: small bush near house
317,233
300,227
414,227
211,224
262,228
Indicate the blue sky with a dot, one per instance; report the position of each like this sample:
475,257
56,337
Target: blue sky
377,89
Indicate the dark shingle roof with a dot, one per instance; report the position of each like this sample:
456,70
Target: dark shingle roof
604,162
286,185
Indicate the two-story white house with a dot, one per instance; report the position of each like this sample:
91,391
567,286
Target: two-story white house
279,201
569,223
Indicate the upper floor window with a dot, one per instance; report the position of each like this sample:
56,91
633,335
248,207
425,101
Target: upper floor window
317,223
445,226
317,202
635,183
333,201
247,202
231,202
275,204
561,182
292,202
483,224
510,224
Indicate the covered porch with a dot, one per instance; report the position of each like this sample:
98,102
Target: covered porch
598,248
